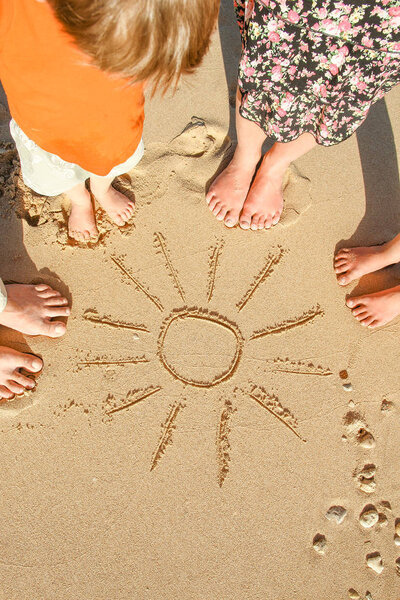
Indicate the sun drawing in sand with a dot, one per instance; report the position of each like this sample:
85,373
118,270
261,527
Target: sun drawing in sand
178,323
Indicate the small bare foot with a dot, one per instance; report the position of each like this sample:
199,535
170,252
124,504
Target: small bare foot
12,381
82,222
118,207
31,308
353,263
264,203
376,310
228,192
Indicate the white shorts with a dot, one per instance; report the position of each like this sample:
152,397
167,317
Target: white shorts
49,175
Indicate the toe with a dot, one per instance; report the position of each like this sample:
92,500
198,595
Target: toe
340,261
358,310
42,287
216,209
342,253
254,222
15,388
344,280
26,382
5,393
212,203
367,321
276,218
268,223
209,196
361,315
231,219
56,301
49,293
355,301
54,329
30,363
118,220
58,311
222,214
341,269
245,219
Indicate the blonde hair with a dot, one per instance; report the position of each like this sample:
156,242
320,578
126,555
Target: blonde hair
153,40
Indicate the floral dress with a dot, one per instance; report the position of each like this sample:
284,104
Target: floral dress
316,66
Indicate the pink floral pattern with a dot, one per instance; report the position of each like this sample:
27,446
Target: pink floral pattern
316,65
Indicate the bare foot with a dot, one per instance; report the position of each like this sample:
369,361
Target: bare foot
353,263
228,192
12,381
82,222
376,310
264,203
118,207
31,308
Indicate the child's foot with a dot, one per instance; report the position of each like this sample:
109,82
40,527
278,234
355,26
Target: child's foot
376,310
82,222
118,207
31,308
12,381
353,263
228,192
264,203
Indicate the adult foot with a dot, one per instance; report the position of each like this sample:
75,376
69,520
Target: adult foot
118,207
12,381
264,203
228,192
31,308
353,263
82,223
376,310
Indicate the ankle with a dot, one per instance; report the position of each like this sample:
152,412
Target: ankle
391,251
276,165
246,158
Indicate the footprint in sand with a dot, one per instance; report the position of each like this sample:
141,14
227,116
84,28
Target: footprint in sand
297,196
374,562
179,159
319,543
365,478
356,430
12,408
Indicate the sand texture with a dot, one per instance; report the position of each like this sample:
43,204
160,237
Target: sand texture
215,425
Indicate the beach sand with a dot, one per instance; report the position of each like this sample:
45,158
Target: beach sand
191,431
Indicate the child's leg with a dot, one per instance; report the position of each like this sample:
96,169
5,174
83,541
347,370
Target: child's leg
264,203
82,222
116,205
353,263
261,206
228,192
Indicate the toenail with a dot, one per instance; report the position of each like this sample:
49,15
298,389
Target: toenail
36,364
67,311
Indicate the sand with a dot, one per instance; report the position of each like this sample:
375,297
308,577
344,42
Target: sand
195,426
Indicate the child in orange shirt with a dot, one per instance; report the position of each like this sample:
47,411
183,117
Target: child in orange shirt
73,74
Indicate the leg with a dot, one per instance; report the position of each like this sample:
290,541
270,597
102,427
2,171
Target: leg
82,223
117,206
353,263
31,308
12,381
376,310
228,192
264,202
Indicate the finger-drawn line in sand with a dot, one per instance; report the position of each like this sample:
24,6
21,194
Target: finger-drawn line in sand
137,283
202,348
212,271
124,361
272,260
132,398
223,444
272,404
202,315
284,365
94,317
307,317
167,430
161,246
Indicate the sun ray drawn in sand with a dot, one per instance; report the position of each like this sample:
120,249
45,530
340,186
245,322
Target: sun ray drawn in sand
201,348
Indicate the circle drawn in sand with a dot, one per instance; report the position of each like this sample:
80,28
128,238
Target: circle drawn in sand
188,335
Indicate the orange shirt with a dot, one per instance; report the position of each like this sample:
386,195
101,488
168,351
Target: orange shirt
64,104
